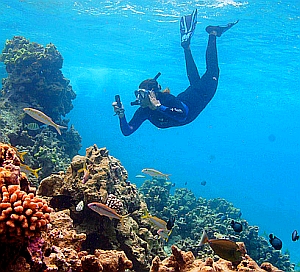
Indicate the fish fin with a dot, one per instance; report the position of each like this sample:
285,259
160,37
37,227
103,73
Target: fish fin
147,215
167,239
35,172
204,238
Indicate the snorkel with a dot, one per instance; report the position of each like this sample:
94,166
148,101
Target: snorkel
141,93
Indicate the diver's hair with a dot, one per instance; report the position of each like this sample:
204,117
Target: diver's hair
150,84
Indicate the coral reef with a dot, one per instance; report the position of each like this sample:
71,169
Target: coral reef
35,80
186,262
214,215
99,177
23,215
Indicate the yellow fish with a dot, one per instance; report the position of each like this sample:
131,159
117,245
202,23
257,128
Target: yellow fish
155,173
161,224
43,118
27,170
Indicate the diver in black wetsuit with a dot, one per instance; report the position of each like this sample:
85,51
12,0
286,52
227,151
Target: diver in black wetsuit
165,110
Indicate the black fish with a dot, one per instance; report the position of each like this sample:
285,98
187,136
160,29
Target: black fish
61,202
170,223
237,227
295,236
203,183
275,242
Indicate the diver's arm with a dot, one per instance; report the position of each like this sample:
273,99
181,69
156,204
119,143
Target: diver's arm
176,113
136,121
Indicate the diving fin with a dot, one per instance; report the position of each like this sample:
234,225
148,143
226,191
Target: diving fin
219,30
187,28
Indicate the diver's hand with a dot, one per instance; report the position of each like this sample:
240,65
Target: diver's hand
154,102
118,111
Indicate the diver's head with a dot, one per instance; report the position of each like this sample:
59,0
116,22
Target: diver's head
145,87
150,85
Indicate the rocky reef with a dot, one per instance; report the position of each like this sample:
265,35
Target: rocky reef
35,80
186,262
214,215
70,236
104,180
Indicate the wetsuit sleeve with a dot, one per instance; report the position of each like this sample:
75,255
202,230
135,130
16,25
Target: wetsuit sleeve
128,128
178,112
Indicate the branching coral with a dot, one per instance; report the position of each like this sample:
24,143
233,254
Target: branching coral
22,214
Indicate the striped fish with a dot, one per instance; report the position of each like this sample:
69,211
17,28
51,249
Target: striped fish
159,223
104,210
32,126
43,118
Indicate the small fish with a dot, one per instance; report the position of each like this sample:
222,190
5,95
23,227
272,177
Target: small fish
203,183
173,184
275,242
170,223
43,118
164,234
226,249
32,126
86,173
155,173
27,170
104,210
159,223
80,206
237,227
61,202
185,183
295,236
140,176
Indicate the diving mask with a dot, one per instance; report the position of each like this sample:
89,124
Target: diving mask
140,94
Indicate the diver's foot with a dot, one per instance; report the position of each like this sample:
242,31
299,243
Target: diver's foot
187,27
219,30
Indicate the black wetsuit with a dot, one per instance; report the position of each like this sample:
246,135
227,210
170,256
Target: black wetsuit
183,109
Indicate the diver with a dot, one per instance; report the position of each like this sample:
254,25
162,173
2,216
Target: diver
165,110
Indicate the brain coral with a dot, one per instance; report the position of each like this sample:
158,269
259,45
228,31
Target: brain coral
22,214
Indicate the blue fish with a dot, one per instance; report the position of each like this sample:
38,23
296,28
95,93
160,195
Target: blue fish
275,242
237,227
295,236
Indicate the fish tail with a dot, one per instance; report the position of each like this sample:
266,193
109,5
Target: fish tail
58,127
169,235
146,215
167,176
35,172
204,238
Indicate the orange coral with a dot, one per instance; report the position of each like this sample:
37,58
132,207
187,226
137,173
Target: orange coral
22,214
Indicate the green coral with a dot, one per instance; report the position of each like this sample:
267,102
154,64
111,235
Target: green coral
214,215
35,78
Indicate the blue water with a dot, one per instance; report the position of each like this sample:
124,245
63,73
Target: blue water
245,144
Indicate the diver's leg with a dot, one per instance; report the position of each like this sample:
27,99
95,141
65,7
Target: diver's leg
212,67
191,68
